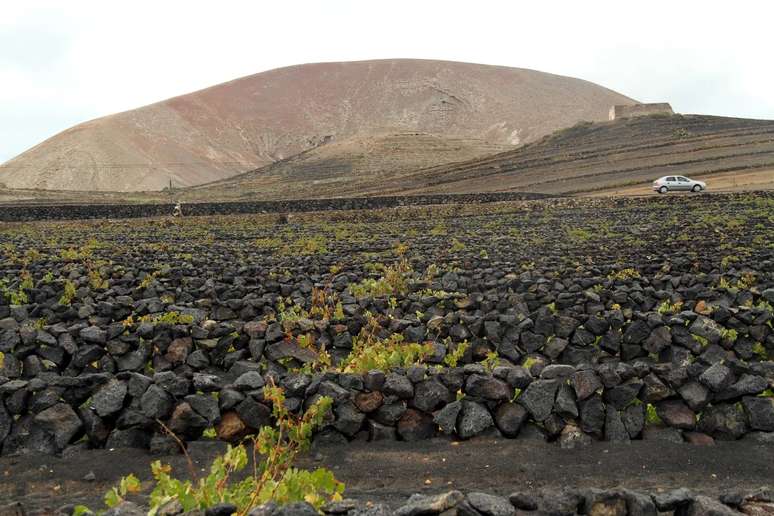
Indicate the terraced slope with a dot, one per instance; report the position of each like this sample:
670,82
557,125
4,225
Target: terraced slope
254,121
609,155
345,168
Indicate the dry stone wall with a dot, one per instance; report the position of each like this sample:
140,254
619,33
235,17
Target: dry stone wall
17,213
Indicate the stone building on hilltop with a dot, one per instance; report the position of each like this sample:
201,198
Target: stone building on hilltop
658,108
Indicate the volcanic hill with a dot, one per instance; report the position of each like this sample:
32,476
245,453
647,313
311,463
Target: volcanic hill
455,111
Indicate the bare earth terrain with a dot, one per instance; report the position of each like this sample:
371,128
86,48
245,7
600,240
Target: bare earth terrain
721,182
349,167
607,156
257,120
391,472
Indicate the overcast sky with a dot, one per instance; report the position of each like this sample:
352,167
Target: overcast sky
65,62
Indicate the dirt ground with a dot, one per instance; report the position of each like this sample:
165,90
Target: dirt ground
389,472
723,182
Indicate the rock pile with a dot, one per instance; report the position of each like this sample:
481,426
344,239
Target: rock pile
640,342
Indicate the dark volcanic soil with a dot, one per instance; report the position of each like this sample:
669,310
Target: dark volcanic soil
589,320
390,472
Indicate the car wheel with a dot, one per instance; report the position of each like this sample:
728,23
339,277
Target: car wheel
696,188
663,189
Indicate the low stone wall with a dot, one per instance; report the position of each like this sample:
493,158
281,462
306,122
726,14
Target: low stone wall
95,385
17,213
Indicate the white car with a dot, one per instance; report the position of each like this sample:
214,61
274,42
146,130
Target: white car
677,184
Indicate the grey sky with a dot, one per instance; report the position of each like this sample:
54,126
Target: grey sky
62,63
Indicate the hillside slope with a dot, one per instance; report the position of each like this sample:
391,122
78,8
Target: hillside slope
608,155
345,168
254,121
